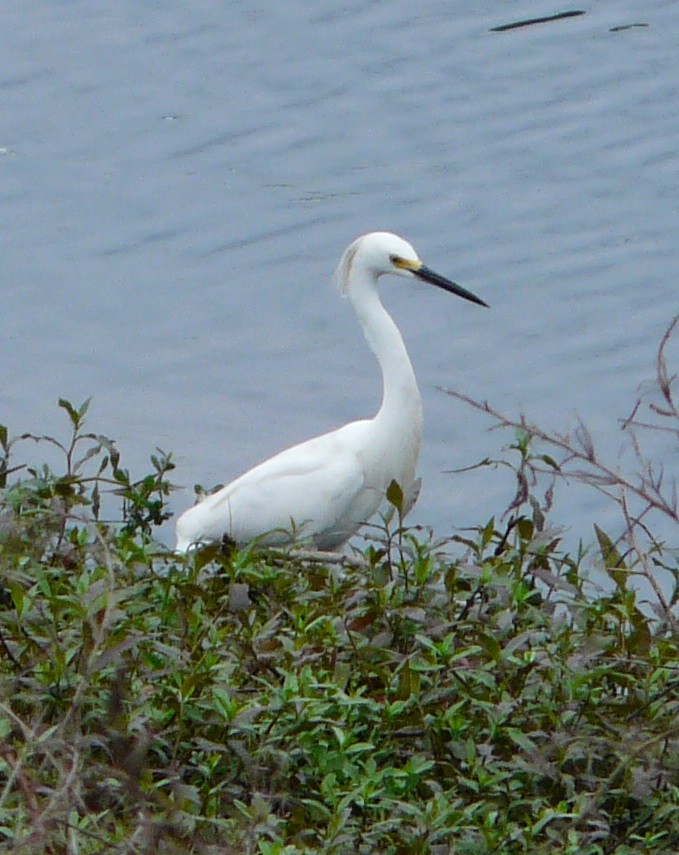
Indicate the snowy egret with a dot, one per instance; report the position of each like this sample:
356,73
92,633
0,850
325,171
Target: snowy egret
325,489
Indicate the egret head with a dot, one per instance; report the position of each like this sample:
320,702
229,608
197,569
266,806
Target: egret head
375,253
378,253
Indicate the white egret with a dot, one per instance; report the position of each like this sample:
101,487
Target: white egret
325,489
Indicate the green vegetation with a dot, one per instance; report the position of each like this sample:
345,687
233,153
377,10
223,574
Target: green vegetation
489,694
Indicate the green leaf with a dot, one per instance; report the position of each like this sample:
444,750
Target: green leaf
395,495
641,637
526,528
84,408
488,531
96,501
404,687
71,410
519,738
613,560
550,461
490,645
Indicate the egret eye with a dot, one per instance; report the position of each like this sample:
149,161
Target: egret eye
395,260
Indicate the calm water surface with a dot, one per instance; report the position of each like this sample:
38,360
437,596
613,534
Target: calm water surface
177,184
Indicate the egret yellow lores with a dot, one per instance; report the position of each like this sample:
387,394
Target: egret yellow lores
323,490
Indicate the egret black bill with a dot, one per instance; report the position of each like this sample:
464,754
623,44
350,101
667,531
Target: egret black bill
428,275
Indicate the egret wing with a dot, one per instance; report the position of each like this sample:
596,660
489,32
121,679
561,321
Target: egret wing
316,490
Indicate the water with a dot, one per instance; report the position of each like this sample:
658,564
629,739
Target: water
176,187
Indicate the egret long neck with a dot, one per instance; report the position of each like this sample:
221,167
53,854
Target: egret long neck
401,402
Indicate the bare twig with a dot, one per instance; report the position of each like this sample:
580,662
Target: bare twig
648,487
647,570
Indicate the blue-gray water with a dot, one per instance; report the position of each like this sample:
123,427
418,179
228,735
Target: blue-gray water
177,183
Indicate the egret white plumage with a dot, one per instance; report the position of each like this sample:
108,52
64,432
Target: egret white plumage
325,489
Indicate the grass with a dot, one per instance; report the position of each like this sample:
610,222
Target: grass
479,695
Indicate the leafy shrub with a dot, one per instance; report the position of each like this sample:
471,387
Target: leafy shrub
471,696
